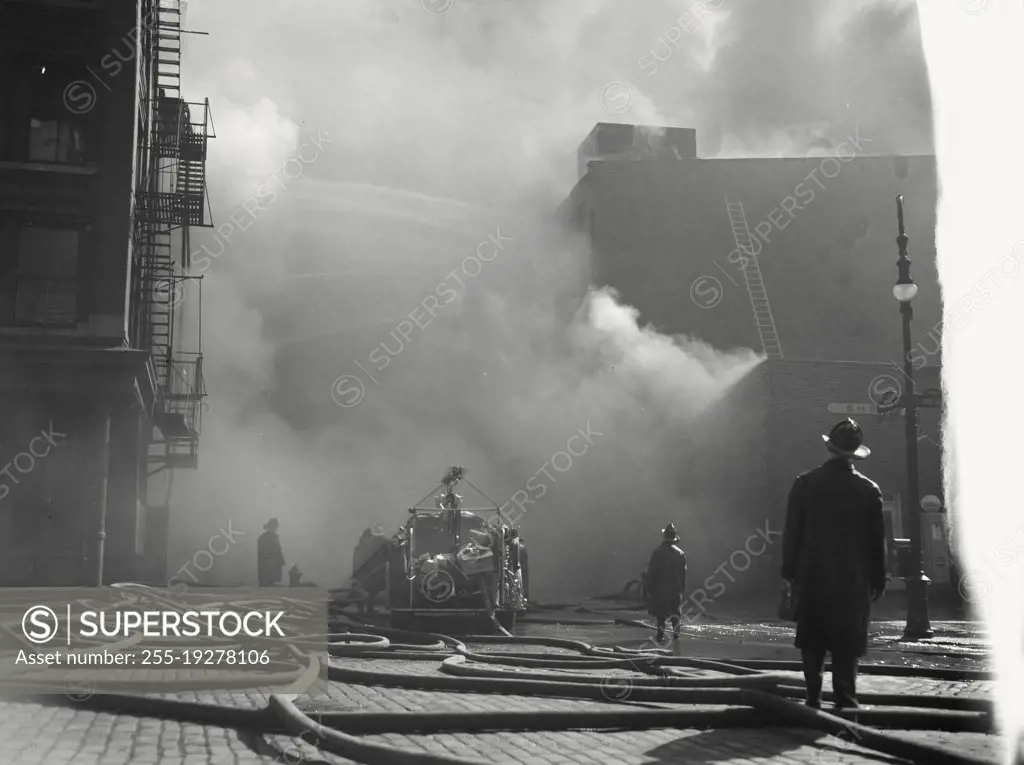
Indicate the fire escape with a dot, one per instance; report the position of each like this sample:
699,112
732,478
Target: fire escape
170,199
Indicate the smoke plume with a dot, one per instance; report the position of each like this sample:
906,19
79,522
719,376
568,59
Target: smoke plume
375,155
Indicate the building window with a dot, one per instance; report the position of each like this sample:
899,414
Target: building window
51,127
47,277
57,141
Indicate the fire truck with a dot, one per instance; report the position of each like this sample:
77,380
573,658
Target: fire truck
453,563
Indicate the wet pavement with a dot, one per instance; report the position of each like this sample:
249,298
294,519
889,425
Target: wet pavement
955,644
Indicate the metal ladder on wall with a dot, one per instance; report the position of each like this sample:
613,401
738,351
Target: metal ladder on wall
168,71
190,156
755,284
163,277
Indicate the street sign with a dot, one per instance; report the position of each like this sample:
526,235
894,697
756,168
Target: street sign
930,503
836,408
930,399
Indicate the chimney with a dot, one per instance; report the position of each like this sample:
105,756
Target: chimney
608,141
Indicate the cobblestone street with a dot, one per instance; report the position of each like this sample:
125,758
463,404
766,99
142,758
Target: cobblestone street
36,734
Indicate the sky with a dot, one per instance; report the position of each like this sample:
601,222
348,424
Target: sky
369,152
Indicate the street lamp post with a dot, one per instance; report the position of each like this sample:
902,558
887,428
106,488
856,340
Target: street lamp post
918,624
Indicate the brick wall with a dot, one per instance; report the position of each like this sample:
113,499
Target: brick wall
96,196
42,524
723,481
800,395
757,439
659,228
116,151
51,489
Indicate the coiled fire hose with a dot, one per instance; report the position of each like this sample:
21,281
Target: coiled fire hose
754,694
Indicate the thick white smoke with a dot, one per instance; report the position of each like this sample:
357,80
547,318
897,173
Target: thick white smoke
368,152
510,359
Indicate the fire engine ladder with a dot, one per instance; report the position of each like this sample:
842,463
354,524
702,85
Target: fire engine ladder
755,284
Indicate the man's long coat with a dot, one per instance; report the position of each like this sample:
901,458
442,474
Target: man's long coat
833,550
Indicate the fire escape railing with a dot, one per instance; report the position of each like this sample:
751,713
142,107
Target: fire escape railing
170,198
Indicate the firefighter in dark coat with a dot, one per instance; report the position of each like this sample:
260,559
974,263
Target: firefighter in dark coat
373,582
269,557
833,553
665,581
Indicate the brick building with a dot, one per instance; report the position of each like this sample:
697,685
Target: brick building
769,428
669,232
101,177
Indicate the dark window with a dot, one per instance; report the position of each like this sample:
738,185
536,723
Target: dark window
58,141
47,277
55,128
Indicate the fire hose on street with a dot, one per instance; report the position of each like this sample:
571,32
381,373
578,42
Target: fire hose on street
741,694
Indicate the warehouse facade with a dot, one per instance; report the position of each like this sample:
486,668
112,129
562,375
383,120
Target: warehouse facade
101,177
794,258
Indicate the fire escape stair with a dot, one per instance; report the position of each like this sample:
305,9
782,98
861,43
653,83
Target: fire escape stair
160,283
174,199
175,137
